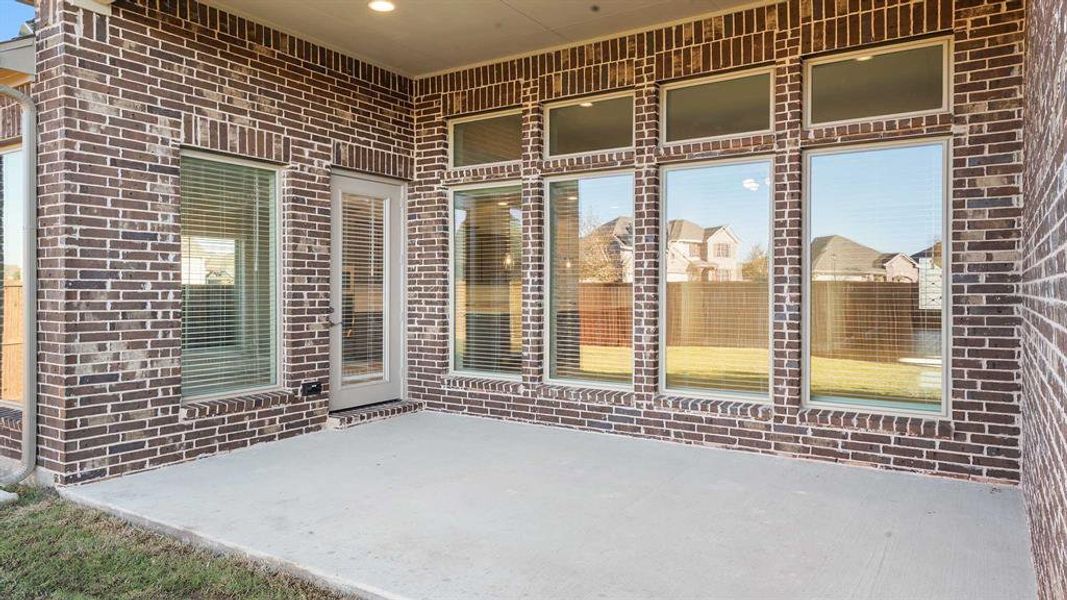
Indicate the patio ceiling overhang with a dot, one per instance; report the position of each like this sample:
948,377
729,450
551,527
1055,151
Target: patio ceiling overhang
422,37
17,60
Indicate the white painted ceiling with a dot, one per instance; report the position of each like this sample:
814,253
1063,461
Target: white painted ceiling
428,36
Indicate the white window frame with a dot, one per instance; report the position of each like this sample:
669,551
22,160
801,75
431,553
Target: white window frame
452,370
722,395
480,117
278,171
674,85
549,107
946,283
946,83
28,314
546,332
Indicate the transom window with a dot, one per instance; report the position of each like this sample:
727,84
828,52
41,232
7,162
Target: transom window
229,277
877,276
486,139
590,125
906,79
727,105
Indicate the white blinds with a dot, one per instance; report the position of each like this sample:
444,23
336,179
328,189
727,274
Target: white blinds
875,271
362,292
716,251
487,280
229,258
591,265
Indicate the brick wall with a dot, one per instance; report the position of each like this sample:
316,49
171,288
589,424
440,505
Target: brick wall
980,439
1044,293
119,97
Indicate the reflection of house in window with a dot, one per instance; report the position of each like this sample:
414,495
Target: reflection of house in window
608,252
837,258
696,253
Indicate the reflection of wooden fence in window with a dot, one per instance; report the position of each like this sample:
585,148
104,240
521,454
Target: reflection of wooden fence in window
873,321
11,354
721,314
605,313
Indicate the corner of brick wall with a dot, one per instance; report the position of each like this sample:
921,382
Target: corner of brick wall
1044,294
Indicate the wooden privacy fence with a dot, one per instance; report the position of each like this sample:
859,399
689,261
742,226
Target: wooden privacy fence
871,321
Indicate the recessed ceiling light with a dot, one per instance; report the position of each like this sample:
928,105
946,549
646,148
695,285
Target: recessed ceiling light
864,58
585,104
381,5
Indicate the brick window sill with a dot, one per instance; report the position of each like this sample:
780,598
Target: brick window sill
760,411
10,419
199,409
482,384
927,427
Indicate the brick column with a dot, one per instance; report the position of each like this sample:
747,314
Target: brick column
533,235
646,231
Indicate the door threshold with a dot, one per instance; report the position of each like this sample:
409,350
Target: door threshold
350,417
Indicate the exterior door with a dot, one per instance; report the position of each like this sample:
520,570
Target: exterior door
367,295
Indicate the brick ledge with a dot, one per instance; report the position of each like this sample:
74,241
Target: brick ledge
225,406
931,427
760,411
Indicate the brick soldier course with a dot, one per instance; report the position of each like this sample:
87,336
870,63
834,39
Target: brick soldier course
120,96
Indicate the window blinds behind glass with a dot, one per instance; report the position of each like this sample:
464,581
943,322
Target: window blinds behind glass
876,274
592,273
228,277
487,280
715,267
362,288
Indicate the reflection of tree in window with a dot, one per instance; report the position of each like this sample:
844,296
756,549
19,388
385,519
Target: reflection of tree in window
591,290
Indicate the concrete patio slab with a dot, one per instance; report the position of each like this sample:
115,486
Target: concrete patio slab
433,505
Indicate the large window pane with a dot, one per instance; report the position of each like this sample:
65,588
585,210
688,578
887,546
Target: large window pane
716,271
229,270
872,85
591,125
12,331
363,252
591,254
876,274
487,140
717,108
487,280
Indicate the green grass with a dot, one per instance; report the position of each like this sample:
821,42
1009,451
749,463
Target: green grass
52,549
694,366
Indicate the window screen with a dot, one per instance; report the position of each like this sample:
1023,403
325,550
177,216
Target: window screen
875,270
873,85
487,140
591,256
715,268
591,125
487,280
717,108
363,252
229,270
12,331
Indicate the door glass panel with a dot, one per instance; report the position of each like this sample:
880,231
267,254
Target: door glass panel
363,253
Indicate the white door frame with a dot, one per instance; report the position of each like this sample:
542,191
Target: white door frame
394,315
